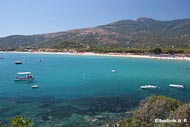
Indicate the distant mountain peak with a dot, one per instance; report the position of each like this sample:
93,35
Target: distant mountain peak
143,19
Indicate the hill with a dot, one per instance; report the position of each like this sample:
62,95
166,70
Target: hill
141,33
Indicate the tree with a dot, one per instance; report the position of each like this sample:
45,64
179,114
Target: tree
182,113
152,108
157,51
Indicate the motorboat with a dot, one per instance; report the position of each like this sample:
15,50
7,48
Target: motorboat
113,70
18,62
24,76
149,87
35,86
176,85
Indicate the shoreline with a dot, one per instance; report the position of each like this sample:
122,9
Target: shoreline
126,55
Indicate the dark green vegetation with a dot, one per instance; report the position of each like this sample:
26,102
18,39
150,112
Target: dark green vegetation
159,107
19,121
121,36
138,50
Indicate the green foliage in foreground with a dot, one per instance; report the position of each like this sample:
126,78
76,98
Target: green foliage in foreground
19,121
158,107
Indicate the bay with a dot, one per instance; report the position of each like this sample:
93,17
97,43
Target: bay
76,89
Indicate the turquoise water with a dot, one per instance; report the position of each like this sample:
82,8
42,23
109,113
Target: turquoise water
76,89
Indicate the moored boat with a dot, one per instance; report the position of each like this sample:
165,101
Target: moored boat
24,76
149,87
176,85
35,86
113,70
18,62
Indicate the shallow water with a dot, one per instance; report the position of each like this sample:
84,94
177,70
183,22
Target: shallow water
76,89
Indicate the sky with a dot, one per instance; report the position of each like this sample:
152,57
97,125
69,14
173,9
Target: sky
26,17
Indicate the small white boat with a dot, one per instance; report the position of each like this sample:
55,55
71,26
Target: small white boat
18,62
24,76
149,87
35,86
113,70
176,85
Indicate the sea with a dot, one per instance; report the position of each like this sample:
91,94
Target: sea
82,91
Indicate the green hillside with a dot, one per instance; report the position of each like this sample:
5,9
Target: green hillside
140,33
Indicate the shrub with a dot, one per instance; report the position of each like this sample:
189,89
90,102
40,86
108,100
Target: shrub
154,107
19,121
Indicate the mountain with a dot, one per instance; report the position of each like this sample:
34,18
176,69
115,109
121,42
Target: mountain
141,33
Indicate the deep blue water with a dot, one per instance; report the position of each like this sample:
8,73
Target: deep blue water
75,89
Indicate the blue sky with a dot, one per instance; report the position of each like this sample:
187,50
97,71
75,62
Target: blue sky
44,16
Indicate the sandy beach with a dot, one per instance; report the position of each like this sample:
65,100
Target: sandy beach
151,56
